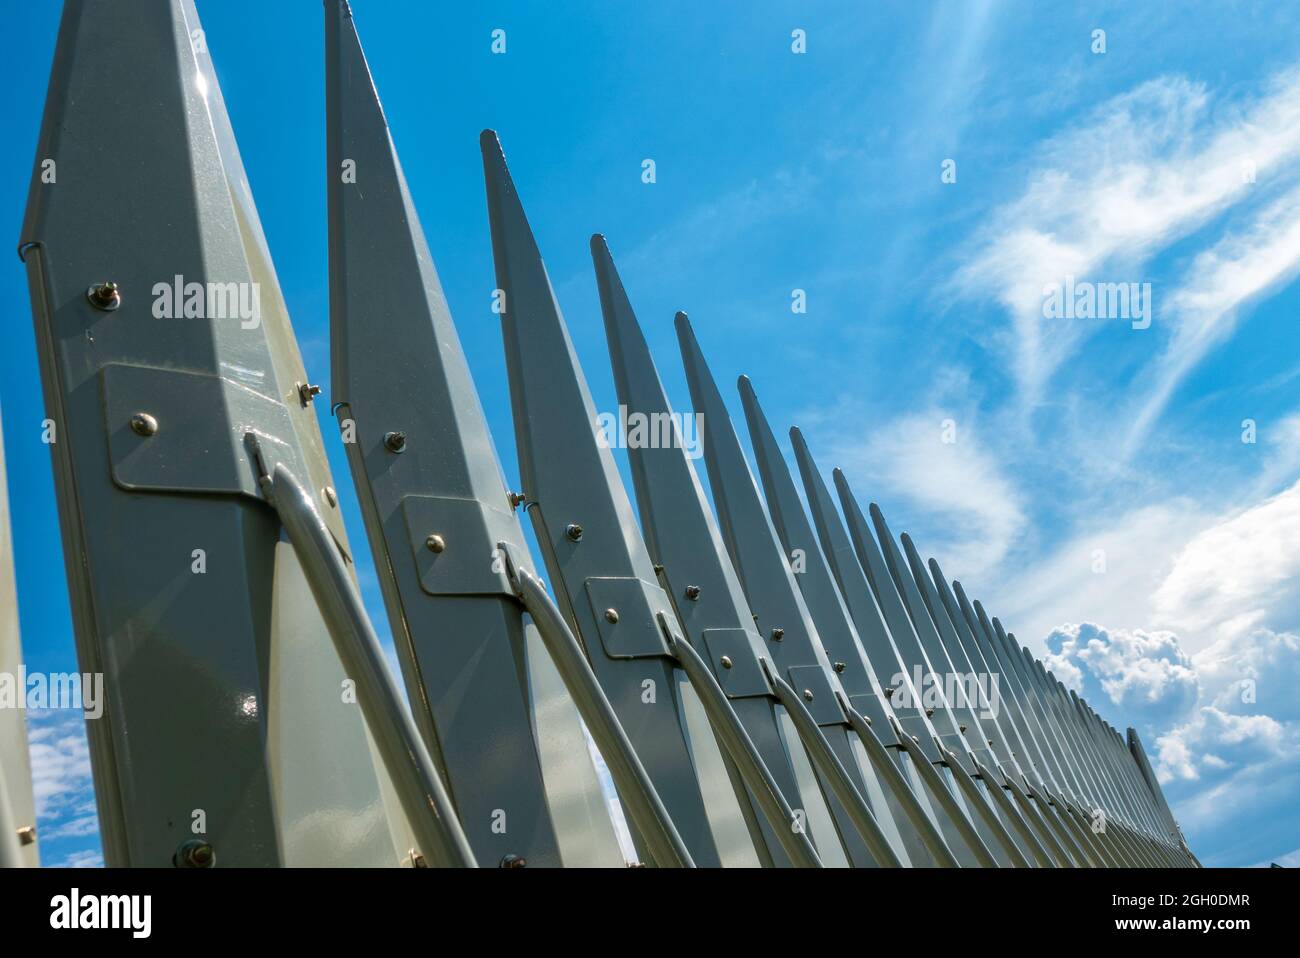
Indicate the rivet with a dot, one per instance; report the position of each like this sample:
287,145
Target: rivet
778,635
573,531
611,616
143,424
693,592
435,543
307,392
840,666
105,296
196,853
26,835
330,496
514,861
726,661
807,694
395,441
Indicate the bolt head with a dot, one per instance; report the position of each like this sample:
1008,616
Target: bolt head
105,296
693,592
929,713
726,661
331,496
307,392
573,531
143,424
26,835
514,861
435,543
611,616
395,441
778,635
808,694
840,666
196,853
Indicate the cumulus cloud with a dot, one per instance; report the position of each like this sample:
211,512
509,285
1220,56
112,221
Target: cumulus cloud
1222,726
1147,674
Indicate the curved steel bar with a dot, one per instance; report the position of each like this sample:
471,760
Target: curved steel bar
418,785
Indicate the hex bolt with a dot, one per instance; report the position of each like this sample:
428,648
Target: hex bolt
778,635
693,592
143,424
840,666
889,691
435,543
929,713
726,661
611,616
808,694
106,296
196,853
307,392
516,499
26,835
573,531
395,441
961,728
418,860
514,861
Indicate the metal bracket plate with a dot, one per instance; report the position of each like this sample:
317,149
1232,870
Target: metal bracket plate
634,633
744,677
467,530
199,420
812,678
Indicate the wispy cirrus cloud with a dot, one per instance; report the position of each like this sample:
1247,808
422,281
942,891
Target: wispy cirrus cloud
1148,167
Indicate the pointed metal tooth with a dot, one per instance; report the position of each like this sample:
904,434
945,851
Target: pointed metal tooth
399,368
683,537
585,525
150,187
820,592
784,620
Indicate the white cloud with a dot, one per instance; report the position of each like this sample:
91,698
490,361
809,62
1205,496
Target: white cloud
1204,312
1147,168
1237,575
959,485
1146,674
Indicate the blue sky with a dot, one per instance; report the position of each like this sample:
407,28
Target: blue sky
1082,445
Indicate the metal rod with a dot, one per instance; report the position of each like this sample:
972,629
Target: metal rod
819,750
887,770
635,789
740,748
419,788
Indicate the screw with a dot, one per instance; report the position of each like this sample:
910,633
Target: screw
435,543
307,392
196,853
573,531
514,861
693,592
395,441
611,616
840,666
26,835
726,661
143,424
778,635
807,694
330,496
105,296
